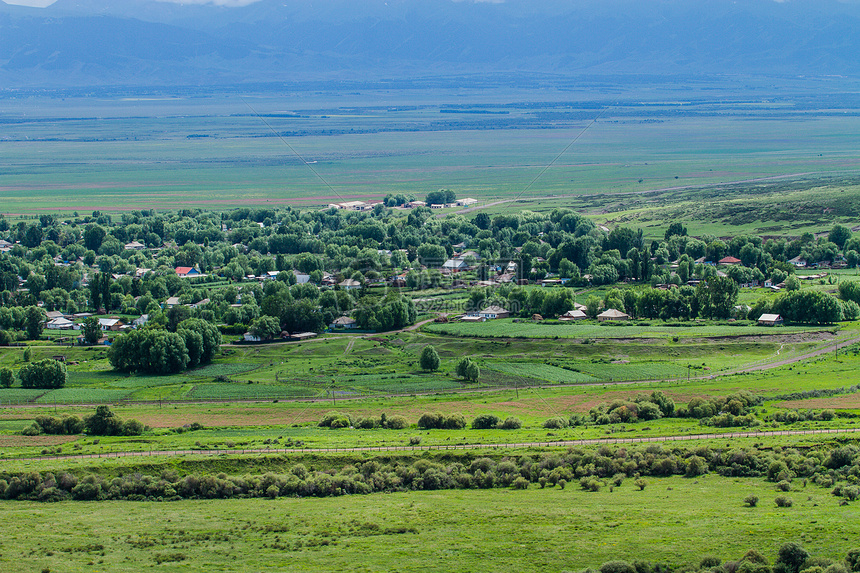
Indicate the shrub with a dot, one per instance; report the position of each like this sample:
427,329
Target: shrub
511,423
640,483
709,562
784,485
396,423
414,440
520,483
589,484
556,423
751,500
617,567
431,420
366,423
783,501
791,557
485,422
454,422
331,417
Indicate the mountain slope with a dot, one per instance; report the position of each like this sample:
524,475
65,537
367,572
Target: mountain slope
75,42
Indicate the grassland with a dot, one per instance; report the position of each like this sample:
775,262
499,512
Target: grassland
674,520
218,153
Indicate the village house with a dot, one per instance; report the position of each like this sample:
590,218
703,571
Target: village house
112,324
729,261
770,320
493,312
573,315
349,284
61,323
344,322
187,272
612,314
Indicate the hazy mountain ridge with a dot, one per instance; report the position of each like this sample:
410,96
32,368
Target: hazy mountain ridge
141,41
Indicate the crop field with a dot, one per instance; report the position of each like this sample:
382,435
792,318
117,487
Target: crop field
677,520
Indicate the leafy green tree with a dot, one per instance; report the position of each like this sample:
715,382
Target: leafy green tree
47,373
91,329
839,235
429,359
210,337
149,350
93,237
7,377
28,354
265,327
34,322
473,372
717,297
105,423
176,314
592,306
675,229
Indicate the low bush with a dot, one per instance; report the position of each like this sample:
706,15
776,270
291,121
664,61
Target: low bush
485,422
783,501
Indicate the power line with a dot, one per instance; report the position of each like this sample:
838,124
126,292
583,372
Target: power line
296,153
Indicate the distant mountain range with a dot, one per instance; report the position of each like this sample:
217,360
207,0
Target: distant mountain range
144,42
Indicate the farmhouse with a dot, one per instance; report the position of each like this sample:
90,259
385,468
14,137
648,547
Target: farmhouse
61,323
798,262
494,311
352,206
344,322
465,202
349,284
134,246
612,314
573,315
454,265
770,320
184,272
473,318
729,261
113,324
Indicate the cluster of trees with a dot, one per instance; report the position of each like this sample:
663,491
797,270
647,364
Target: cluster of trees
823,466
336,420
368,246
101,423
807,306
725,411
47,374
642,407
151,350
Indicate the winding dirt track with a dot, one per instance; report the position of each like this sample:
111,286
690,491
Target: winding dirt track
514,445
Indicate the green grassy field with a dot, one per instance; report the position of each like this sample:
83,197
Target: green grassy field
139,154
673,520
506,328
